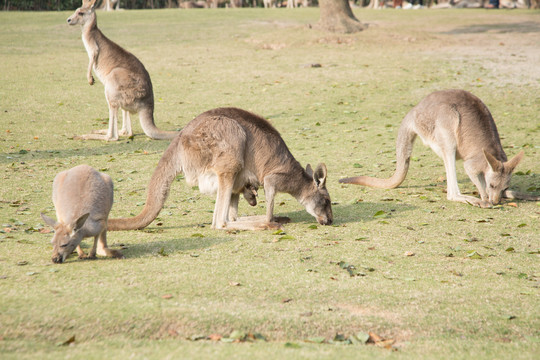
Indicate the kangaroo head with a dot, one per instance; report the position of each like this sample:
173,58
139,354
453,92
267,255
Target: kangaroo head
317,200
83,14
250,194
498,175
66,236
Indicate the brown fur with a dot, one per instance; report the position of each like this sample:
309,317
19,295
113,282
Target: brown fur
127,83
229,150
456,125
83,198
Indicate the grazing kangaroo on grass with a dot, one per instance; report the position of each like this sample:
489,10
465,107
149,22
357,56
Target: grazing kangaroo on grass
456,125
127,83
83,198
226,150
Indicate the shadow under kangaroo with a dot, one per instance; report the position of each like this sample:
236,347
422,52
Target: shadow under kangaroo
226,151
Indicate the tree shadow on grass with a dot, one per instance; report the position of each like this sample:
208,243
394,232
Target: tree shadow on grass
522,28
88,149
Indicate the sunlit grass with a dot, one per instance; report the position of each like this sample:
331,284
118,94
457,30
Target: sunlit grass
420,282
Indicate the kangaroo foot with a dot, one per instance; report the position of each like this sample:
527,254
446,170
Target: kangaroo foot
87,257
110,253
100,131
253,223
125,133
485,204
95,137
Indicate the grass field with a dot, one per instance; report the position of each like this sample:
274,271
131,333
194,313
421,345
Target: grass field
436,279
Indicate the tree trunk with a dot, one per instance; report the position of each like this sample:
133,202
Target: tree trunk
337,16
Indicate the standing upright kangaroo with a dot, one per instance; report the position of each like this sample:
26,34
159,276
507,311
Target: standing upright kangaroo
456,125
127,83
226,150
83,198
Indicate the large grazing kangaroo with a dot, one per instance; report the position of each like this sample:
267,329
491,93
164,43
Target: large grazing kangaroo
456,125
226,150
127,83
83,198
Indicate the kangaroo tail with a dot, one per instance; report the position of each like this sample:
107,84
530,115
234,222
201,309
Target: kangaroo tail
158,190
404,146
146,117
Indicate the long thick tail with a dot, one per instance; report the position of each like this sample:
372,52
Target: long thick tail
158,190
404,146
146,117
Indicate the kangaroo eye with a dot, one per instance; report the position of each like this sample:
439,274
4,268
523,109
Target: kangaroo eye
63,245
491,186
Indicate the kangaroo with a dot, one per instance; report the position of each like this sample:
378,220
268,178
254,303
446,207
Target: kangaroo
127,83
455,124
223,150
83,198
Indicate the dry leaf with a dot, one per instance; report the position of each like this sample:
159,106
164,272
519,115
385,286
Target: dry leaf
513,204
409,253
215,337
167,296
374,338
234,283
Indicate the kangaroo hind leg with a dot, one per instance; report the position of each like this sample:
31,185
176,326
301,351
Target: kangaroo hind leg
448,154
126,124
223,200
103,249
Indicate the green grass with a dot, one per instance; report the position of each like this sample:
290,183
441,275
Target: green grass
180,279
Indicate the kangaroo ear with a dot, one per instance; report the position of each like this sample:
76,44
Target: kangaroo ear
309,170
88,4
320,175
49,221
496,165
511,164
80,222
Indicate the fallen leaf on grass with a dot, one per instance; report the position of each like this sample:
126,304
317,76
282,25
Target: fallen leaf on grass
513,204
167,296
234,283
474,255
291,345
69,341
409,253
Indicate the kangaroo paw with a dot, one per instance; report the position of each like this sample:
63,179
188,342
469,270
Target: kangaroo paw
87,257
478,202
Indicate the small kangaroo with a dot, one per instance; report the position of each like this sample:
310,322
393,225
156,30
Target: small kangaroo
127,83
83,198
456,125
227,150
